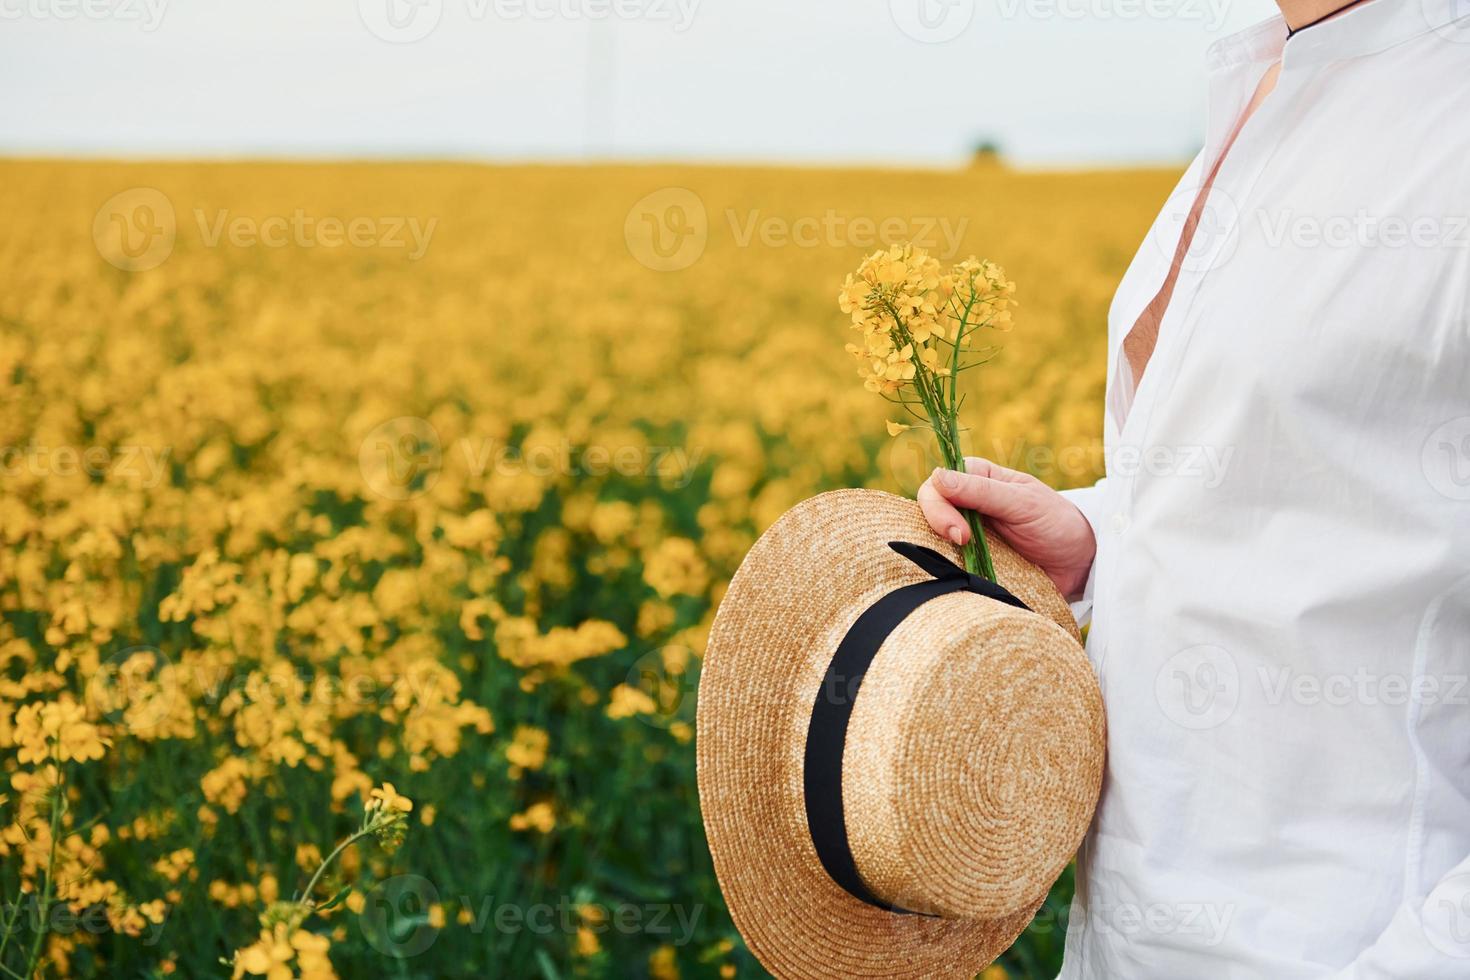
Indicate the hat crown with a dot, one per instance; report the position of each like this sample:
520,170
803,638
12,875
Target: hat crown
971,764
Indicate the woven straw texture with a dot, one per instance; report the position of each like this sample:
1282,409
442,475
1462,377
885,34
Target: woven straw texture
973,761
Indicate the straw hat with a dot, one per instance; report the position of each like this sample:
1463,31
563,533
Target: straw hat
965,776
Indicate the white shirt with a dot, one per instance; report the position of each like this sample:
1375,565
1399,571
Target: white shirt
1281,597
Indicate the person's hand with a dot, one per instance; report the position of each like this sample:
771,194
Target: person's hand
1044,527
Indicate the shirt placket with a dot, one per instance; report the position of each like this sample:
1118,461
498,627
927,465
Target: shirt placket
1216,237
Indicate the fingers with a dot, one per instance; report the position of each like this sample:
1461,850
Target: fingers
993,490
942,516
993,497
980,466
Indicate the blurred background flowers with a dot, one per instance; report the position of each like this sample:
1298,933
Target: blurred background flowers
284,523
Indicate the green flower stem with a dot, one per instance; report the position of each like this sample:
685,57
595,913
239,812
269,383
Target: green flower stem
944,420
365,831
58,804
977,549
9,931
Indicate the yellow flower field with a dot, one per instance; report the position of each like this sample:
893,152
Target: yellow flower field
392,503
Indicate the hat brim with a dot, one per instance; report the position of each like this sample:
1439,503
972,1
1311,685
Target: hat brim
782,617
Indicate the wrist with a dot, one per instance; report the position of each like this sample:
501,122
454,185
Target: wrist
1071,581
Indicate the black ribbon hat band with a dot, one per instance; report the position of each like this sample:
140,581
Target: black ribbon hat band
827,732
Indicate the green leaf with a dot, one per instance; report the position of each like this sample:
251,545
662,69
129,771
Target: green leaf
548,968
335,900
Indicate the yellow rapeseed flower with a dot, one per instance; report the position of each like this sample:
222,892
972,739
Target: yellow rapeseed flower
528,749
627,701
540,817
662,964
58,730
387,798
675,566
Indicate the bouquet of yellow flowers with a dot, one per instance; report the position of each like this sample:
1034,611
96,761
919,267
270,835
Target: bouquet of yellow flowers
919,322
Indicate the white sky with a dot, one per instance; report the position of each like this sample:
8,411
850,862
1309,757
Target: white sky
1056,82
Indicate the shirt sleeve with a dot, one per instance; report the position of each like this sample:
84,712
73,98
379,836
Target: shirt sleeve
1427,939
1089,500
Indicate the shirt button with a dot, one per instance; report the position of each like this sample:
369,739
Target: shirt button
1120,523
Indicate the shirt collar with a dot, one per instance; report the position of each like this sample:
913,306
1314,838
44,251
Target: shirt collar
1366,29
